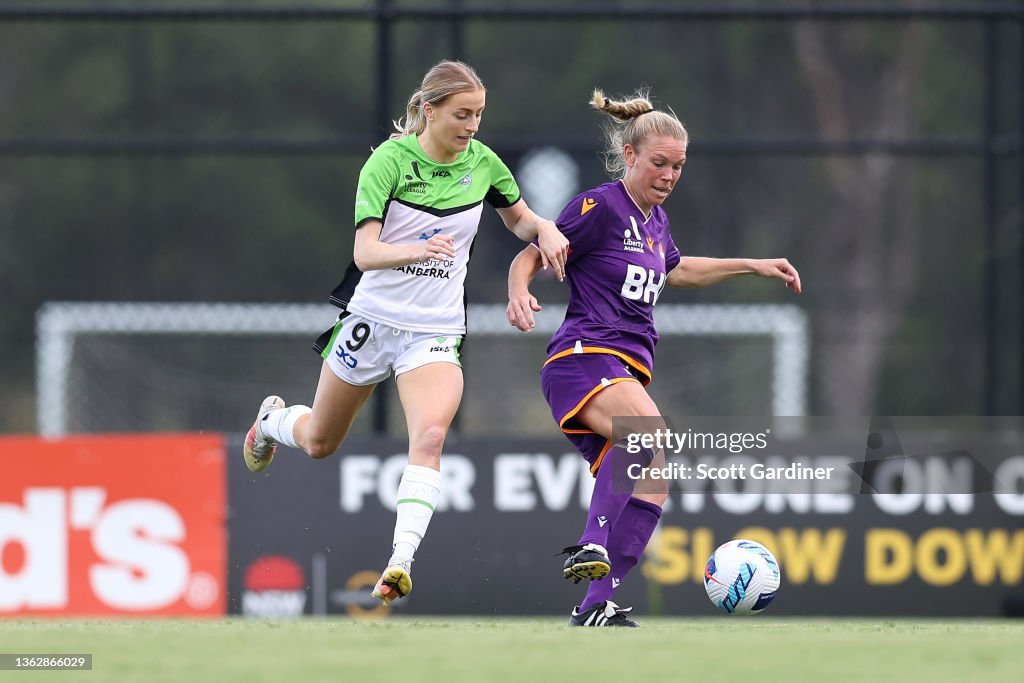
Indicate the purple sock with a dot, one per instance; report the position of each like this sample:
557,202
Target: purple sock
626,545
612,491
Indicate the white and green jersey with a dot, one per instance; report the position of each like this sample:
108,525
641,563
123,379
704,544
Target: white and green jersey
416,198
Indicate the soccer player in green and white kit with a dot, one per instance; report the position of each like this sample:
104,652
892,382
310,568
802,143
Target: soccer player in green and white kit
417,211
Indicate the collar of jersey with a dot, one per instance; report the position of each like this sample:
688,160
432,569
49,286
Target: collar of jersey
622,186
412,143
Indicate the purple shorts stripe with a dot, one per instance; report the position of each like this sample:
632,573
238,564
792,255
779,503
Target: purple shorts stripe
643,370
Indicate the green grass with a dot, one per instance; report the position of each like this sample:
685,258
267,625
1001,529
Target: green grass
526,650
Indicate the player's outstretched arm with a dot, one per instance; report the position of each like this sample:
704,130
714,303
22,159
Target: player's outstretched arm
370,253
528,226
696,271
521,304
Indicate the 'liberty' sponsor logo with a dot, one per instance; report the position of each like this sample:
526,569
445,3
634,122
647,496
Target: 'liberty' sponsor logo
416,170
631,238
418,186
587,205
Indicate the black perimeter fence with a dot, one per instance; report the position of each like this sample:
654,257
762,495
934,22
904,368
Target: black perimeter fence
876,145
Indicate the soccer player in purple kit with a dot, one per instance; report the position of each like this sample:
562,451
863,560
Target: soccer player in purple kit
602,357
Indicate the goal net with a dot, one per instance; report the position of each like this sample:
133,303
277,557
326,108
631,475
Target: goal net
131,367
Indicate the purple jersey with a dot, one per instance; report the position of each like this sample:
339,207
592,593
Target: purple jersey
616,270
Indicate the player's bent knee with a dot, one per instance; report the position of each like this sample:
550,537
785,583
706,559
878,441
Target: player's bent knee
320,449
429,443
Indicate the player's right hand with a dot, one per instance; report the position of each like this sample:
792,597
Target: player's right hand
554,248
520,312
440,247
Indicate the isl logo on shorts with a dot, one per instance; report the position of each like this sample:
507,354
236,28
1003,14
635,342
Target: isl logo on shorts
441,346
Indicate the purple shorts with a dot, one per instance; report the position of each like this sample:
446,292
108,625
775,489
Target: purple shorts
568,383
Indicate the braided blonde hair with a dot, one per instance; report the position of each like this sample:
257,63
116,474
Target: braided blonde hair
633,121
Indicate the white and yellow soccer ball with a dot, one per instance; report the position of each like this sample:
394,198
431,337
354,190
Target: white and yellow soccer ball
741,577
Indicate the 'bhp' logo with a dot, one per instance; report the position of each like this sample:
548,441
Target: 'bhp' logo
126,545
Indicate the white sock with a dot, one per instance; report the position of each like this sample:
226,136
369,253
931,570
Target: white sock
418,493
279,425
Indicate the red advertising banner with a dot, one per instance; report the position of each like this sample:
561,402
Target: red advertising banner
103,525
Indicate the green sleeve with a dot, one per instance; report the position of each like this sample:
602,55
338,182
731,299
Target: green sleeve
503,191
377,184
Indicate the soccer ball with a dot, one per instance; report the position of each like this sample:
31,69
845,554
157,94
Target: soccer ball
741,577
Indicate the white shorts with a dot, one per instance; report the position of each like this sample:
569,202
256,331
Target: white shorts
363,352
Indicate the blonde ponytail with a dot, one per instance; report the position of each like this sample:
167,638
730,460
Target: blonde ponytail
633,121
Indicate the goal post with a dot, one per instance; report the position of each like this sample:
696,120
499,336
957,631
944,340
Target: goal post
63,328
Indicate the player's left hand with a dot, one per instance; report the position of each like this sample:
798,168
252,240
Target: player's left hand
554,248
520,312
779,268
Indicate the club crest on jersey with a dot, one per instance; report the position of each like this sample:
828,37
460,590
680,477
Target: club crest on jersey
466,180
587,205
632,240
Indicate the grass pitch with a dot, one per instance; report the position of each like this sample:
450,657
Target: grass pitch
404,650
